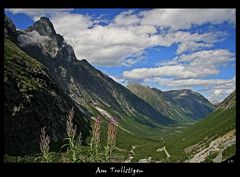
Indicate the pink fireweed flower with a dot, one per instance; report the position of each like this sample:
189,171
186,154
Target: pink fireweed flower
96,130
111,139
113,121
98,119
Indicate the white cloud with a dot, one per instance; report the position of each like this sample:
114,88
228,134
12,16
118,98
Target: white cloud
193,42
189,83
124,40
206,62
114,45
195,65
32,38
215,90
216,96
119,80
218,91
70,24
189,71
127,18
185,18
207,57
103,45
143,73
37,13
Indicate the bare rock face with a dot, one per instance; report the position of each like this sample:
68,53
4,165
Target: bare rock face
44,27
43,39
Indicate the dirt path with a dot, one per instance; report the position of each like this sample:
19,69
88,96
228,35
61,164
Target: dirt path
130,154
165,151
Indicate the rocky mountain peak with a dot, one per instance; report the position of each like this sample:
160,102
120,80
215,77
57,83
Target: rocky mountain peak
43,26
46,42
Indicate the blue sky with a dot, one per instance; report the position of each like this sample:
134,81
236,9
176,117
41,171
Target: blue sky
163,48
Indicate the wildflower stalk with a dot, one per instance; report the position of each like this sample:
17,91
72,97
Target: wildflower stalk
71,133
44,144
95,140
111,139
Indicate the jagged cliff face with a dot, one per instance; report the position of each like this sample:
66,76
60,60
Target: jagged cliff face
42,36
85,84
33,100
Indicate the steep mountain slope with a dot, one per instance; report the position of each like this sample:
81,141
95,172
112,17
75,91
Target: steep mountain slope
194,104
208,139
33,100
228,102
179,105
86,85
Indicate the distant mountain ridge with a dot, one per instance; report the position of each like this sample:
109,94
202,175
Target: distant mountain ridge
212,139
179,105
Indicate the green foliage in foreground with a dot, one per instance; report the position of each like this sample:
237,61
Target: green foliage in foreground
215,124
210,157
229,152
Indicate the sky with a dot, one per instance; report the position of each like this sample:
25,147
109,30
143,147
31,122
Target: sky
169,49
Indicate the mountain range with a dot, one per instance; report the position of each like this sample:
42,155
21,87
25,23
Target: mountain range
211,139
43,80
179,105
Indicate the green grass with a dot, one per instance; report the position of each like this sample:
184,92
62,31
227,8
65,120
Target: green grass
210,157
229,152
215,124
18,65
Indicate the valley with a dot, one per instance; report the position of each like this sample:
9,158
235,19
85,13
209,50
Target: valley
44,80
